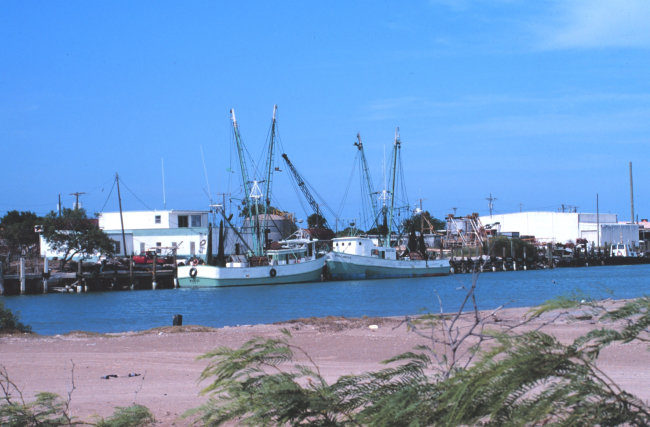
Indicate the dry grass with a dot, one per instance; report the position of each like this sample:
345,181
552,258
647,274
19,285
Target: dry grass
338,323
177,330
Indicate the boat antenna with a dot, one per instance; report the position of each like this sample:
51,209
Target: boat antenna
206,175
163,177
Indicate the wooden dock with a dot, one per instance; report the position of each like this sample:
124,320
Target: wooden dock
113,278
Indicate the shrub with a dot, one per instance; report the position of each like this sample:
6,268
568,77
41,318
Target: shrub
10,322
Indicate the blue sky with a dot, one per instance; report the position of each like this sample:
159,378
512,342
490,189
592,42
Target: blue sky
539,103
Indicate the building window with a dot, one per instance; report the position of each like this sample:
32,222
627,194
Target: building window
157,219
158,245
117,247
192,248
182,221
196,220
141,247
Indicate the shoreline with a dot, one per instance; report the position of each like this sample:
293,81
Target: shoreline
165,358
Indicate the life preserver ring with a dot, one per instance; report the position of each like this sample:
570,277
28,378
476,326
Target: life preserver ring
203,242
273,272
195,262
193,272
619,253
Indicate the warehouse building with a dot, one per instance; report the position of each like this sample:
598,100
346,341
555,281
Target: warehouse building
563,227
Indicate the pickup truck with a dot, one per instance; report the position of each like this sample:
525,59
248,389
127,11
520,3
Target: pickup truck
147,258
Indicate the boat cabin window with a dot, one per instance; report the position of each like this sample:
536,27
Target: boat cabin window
360,243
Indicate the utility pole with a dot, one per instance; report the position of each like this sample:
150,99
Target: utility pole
59,205
119,198
490,205
631,196
77,194
520,205
454,211
223,195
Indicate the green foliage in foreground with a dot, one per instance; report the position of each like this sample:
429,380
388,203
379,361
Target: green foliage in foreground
131,416
520,379
10,322
47,410
51,410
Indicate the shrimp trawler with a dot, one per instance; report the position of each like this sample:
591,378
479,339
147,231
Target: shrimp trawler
367,258
292,260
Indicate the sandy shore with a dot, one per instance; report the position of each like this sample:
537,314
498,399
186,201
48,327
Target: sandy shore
165,359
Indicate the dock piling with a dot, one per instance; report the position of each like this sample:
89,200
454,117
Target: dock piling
131,269
175,270
155,261
46,274
23,278
79,276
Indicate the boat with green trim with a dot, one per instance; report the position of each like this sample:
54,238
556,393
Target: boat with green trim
293,260
354,258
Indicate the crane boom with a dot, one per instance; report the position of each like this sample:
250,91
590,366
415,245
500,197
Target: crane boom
305,190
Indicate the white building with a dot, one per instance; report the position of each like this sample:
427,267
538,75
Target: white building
143,230
186,230
562,227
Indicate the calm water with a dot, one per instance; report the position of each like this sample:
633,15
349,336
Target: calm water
136,310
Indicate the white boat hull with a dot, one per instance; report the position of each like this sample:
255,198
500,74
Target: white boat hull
209,276
343,266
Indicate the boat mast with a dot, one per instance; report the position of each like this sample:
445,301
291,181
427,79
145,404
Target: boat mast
269,177
244,173
368,179
396,147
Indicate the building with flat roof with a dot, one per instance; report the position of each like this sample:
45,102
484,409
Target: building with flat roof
563,227
143,230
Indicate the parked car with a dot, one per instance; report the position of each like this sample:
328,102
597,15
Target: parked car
148,256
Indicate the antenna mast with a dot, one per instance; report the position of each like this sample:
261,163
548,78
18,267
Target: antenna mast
119,198
368,179
396,147
246,183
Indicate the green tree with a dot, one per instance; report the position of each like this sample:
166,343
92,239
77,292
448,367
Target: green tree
75,234
17,230
316,221
260,208
517,245
520,379
349,231
435,222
